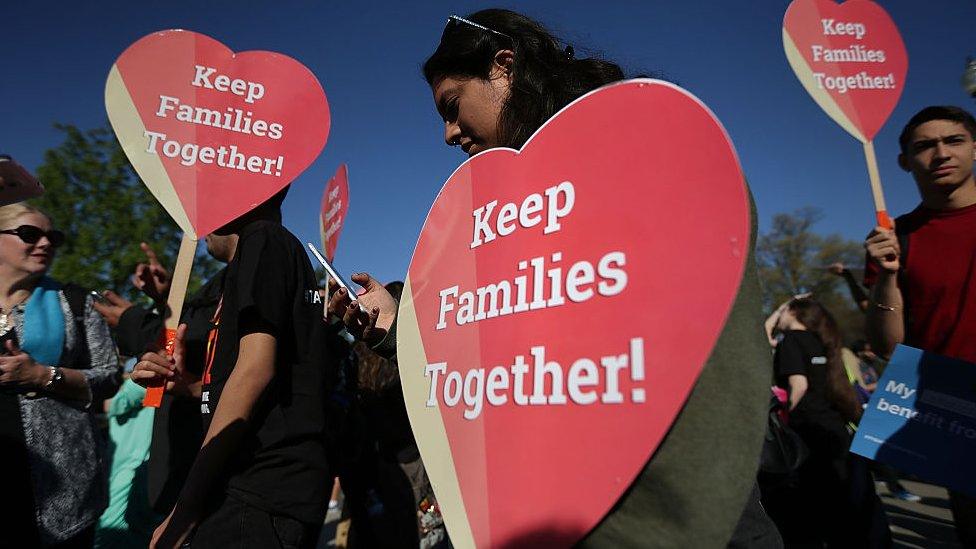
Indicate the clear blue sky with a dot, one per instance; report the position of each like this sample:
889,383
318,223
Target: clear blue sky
367,56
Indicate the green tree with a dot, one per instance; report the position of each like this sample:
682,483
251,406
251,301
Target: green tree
93,194
793,259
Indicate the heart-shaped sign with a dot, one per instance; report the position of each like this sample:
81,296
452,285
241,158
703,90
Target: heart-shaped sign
213,134
850,58
561,302
335,203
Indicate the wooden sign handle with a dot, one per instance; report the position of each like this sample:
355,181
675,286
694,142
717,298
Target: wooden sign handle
174,307
881,212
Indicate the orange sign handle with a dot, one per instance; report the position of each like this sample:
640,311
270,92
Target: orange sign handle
154,393
884,220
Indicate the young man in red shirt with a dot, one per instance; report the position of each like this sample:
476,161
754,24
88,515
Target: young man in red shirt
923,274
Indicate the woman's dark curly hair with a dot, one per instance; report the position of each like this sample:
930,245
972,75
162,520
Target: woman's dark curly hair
545,74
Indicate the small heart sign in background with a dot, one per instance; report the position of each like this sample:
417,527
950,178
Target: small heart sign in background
335,204
560,305
211,133
851,59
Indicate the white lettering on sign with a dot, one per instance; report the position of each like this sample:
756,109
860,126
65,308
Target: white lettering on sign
832,27
899,389
581,282
225,157
250,91
586,382
559,203
853,54
232,119
860,81
831,54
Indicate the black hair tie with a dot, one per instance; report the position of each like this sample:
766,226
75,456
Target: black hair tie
569,51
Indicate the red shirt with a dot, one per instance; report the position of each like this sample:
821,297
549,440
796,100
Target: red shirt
938,280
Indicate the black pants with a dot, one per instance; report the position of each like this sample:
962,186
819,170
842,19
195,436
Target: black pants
235,524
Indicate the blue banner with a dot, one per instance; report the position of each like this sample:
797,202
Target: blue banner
922,419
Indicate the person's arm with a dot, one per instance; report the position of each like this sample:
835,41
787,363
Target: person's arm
127,402
137,330
858,293
770,325
251,375
885,316
773,319
798,387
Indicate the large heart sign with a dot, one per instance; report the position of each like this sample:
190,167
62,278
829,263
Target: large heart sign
850,58
211,133
335,204
560,305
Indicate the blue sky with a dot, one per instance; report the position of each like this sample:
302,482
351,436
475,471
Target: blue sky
367,56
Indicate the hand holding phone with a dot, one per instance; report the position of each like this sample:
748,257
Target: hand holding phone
340,280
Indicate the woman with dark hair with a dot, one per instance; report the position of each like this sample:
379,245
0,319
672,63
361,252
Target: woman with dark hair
496,78
833,500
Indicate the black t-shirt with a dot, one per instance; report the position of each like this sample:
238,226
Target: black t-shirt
802,352
270,287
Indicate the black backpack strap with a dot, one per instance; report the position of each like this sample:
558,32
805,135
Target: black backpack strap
77,299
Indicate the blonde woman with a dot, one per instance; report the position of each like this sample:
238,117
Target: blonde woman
57,357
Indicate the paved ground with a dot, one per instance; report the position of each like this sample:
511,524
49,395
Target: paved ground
926,524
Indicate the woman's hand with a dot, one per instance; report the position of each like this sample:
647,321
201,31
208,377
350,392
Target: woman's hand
154,368
18,368
372,324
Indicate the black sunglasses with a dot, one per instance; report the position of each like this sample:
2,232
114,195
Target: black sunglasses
455,21
31,235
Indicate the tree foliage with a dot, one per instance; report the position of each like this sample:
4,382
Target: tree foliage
93,194
793,259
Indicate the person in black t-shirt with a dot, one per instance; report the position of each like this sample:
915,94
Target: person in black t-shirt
261,474
832,500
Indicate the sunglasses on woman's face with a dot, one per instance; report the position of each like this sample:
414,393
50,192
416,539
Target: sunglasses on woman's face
32,235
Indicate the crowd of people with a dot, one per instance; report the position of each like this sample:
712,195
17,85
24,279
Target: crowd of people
266,401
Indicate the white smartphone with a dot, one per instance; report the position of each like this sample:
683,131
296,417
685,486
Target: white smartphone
343,283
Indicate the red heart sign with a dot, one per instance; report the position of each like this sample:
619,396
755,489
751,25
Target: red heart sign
850,58
560,304
214,134
335,203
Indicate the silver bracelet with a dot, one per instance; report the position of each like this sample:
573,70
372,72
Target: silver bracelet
885,307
